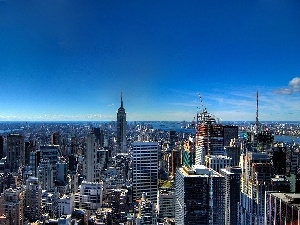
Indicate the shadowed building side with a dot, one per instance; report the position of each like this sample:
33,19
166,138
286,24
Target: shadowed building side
121,129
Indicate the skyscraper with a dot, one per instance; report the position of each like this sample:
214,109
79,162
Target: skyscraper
55,138
91,169
121,128
15,152
232,177
33,199
12,205
255,180
229,132
1,147
145,170
45,175
199,196
209,137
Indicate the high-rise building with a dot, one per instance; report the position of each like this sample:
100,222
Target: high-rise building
92,174
1,147
280,184
12,206
173,138
34,161
255,180
15,152
61,173
74,145
209,137
232,177
229,133
199,196
29,147
189,152
234,151
55,138
146,213
165,203
90,196
176,160
51,152
217,162
121,129
282,208
73,163
65,205
45,175
145,170
279,159
99,133
33,199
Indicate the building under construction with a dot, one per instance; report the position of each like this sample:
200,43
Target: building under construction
209,137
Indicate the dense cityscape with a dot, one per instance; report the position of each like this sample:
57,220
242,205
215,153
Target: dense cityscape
150,172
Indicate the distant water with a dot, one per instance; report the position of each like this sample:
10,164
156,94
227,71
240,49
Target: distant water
176,126
286,139
9,131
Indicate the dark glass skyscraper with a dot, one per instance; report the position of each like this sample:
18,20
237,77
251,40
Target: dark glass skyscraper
15,152
121,128
199,196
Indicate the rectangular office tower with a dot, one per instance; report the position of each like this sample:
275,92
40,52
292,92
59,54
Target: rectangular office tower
255,181
145,170
15,152
232,177
199,196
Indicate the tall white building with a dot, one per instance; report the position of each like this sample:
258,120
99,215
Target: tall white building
145,170
90,196
45,174
255,181
92,174
217,162
65,205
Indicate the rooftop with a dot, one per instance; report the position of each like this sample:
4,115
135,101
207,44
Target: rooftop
198,170
291,198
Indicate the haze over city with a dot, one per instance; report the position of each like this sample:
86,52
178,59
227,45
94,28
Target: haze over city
70,60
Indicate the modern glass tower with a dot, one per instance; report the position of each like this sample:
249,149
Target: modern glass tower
121,129
199,196
145,170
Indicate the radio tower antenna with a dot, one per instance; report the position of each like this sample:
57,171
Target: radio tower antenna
257,121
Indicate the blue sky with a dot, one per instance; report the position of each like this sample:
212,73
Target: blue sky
71,59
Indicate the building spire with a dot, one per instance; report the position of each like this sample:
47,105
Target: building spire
121,101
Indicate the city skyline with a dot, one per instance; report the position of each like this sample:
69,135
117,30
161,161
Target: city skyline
70,60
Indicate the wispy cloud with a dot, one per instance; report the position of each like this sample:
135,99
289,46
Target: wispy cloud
187,104
293,87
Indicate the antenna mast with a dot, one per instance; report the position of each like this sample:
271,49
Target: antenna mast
257,121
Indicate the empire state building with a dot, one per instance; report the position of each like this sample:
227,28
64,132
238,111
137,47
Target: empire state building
121,129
